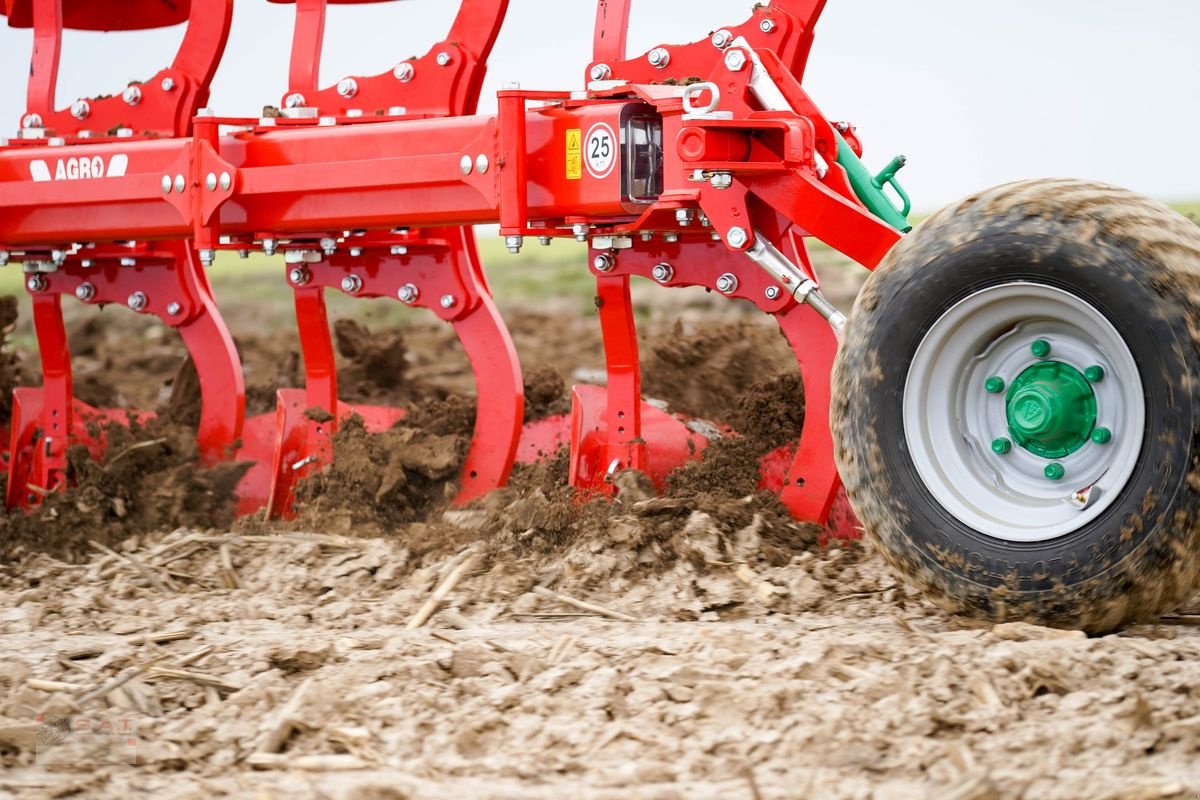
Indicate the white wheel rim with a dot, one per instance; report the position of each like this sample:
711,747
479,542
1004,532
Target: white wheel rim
950,420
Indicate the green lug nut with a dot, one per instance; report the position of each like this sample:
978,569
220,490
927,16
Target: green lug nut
1102,436
1040,348
994,384
1094,374
1054,472
1001,446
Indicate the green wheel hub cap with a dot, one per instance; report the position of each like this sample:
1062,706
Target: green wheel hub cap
1051,409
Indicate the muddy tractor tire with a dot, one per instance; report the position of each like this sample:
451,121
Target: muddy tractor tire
1017,406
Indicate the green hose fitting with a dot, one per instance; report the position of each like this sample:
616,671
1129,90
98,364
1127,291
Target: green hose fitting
869,188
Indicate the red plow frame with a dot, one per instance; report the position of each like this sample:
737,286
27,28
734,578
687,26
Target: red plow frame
703,164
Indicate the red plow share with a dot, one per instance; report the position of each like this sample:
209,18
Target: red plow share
371,187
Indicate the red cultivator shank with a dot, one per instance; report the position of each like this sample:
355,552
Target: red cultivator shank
369,187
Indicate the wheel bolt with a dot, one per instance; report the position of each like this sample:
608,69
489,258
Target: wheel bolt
1040,348
1001,446
994,384
1094,374
1101,436
1054,472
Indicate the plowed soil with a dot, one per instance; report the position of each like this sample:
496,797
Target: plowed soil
698,644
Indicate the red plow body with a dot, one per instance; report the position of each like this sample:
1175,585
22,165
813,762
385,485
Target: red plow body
703,164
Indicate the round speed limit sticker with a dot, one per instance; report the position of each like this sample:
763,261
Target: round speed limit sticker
600,150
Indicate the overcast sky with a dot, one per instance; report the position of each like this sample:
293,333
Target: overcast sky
975,92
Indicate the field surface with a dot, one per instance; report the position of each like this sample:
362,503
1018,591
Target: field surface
693,644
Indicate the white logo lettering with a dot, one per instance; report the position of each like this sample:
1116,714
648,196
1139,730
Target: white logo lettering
79,169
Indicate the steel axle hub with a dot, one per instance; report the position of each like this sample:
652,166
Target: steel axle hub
1051,409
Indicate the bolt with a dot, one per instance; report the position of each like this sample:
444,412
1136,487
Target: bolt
329,246
36,283
670,238
603,263
210,182
684,216
727,283
722,39
404,71
132,95
994,384
736,237
443,59
80,109
1101,436
174,308
168,84
544,241
842,127
294,101
137,301
1001,446
207,257
767,25
180,184
772,292
32,121
735,60
721,180
1094,374
1040,348
347,87
128,262
580,229
85,292
243,253
351,284
513,243
226,181
662,272
299,276
1054,472
268,246
647,236
3,258
399,250
355,252
482,163
659,57
448,301
464,165
408,294
600,72
166,184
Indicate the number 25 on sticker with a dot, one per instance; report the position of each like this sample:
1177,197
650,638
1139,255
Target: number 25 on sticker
600,150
